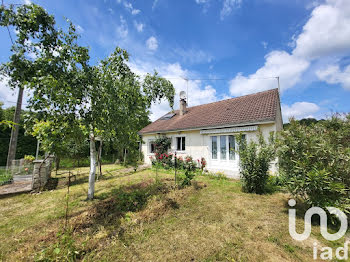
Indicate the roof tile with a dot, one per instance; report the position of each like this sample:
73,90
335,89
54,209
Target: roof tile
256,107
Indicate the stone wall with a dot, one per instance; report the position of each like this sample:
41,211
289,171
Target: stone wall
41,173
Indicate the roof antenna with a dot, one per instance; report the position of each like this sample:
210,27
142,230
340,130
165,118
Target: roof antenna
278,83
186,79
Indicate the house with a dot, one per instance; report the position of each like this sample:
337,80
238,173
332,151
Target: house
210,130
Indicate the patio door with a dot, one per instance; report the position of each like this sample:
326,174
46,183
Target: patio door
223,152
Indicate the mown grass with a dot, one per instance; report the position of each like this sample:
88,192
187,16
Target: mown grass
135,218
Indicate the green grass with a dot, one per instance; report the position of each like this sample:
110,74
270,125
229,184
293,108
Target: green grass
135,219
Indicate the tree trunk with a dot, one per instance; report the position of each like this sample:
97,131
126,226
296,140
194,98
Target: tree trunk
93,161
14,132
100,158
58,160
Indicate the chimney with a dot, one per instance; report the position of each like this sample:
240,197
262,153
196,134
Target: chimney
183,103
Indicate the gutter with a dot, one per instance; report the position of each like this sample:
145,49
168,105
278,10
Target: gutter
267,121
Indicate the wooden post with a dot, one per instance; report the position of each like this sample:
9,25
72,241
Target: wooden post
175,168
67,201
14,131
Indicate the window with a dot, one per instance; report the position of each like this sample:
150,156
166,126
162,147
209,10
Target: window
214,147
223,147
231,147
181,143
152,147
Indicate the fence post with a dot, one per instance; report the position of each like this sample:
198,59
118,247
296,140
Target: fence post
175,167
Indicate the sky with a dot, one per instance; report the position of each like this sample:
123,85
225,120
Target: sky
225,48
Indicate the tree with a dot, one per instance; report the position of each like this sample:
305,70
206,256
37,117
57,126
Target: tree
107,100
254,160
120,103
315,161
35,32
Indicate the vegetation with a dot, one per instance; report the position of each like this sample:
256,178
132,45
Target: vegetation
35,34
315,161
5,177
77,101
26,143
132,218
255,159
162,144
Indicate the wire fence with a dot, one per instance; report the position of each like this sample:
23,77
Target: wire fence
5,176
19,170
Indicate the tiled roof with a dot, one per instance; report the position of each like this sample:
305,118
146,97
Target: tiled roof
247,109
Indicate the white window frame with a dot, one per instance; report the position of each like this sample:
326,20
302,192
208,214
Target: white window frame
175,143
211,148
149,142
218,141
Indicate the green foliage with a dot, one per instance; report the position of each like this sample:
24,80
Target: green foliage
26,143
5,177
162,145
255,161
315,161
29,158
189,175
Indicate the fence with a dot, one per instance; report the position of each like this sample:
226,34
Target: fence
5,176
19,170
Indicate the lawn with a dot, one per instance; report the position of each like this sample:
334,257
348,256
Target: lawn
134,218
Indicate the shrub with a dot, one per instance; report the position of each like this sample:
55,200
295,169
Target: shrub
255,161
202,164
189,175
162,144
29,158
315,160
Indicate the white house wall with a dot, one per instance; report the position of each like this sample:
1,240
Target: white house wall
199,145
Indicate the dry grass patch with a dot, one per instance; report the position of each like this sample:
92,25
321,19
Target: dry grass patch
133,218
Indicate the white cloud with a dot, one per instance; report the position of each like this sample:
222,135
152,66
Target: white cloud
264,44
278,63
152,43
327,32
324,35
299,110
334,75
135,11
9,96
197,93
193,56
201,1
228,7
139,26
129,7
80,29
27,2
155,2
122,29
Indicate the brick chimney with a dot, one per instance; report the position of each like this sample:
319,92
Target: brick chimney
183,103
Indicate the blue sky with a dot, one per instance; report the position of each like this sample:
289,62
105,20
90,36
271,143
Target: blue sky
244,43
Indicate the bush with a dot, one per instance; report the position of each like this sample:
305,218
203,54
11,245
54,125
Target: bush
255,162
315,160
29,159
162,145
